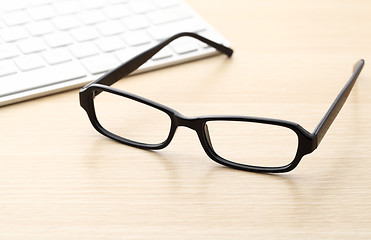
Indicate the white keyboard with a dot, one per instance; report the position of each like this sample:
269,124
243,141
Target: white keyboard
49,46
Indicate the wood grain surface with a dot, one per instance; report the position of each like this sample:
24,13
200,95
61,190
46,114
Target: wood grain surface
60,179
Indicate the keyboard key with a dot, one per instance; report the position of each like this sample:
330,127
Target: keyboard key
40,28
166,3
84,50
42,77
117,1
41,12
31,45
164,31
16,18
116,11
110,44
12,34
66,22
100,63
58,39
135,22
29,62
184,48
160,32
141,6
192,25
13,6
84,34
168,15
92,4
110,28
92,16
8,51
136,38
126,54
67,7
57,56
39,2
7,68
163,53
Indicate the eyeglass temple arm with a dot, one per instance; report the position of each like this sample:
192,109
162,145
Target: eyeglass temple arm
133,64
331,114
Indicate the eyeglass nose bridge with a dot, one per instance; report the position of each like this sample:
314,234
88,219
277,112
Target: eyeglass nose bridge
197,124
189,122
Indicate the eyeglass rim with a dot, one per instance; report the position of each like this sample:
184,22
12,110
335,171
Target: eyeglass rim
305,139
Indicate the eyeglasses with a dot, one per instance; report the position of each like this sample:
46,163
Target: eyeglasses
240,142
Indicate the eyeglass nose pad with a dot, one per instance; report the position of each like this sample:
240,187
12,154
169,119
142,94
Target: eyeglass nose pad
206,129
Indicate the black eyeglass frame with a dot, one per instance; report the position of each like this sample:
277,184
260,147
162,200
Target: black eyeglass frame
307,142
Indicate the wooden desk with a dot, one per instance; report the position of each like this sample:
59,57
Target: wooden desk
60,179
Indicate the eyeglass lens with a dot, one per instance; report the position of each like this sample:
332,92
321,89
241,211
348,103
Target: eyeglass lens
253,143
131,119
